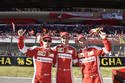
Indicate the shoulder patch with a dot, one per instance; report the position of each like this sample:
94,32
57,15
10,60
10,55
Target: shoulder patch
41,53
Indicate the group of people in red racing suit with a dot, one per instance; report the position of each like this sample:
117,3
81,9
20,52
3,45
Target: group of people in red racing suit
63,56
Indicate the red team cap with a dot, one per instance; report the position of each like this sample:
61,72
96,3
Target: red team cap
40,39
80,36
64,34
47,37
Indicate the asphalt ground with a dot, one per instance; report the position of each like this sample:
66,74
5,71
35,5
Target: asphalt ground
29,80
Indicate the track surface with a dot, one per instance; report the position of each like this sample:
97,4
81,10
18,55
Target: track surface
28,80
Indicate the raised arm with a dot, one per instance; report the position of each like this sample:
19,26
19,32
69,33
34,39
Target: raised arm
105,41
29,51
107,46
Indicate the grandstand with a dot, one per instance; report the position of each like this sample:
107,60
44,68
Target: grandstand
55,20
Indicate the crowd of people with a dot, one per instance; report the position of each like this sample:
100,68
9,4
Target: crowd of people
55,30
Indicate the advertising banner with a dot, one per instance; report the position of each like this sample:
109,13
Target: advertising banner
28,61
117,16
15,61
112,61
72,15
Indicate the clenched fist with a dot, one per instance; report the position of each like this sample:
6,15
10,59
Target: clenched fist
21,32
96,30
103,35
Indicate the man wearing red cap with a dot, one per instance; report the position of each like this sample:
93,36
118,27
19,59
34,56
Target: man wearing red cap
43,56
65,54
89,60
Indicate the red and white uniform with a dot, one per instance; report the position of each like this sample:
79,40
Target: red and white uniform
43,61
89,62
64,63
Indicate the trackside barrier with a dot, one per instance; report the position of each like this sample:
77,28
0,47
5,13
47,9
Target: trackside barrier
28,61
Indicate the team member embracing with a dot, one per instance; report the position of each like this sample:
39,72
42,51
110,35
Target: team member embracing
43,57
66,54
89,57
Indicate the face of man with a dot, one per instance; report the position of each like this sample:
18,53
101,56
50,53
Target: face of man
47,43
82,42
65,39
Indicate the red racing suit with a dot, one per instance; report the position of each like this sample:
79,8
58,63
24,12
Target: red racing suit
89,62
43,61
64,63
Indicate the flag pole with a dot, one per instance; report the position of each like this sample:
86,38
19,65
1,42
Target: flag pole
12,34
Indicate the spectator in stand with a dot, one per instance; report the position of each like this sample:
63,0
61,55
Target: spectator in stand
31,32
43,56
89,57
44,31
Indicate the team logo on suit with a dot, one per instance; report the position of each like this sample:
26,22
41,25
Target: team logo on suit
51,55
41,53
60,50
80,55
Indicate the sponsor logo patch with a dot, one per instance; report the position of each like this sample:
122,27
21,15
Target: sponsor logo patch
41,53
70,51
90,53
89,59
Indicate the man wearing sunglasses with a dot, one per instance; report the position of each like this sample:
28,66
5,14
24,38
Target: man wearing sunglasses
65,55
89,57
43,57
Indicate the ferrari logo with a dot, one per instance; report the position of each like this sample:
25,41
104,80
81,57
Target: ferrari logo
51,55
80,55
60,50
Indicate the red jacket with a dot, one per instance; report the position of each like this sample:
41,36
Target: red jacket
88,57
65,56
43,59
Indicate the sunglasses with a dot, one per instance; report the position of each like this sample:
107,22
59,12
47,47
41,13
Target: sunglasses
47,40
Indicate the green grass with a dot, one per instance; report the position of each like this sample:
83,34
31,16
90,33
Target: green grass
14,71
107,71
